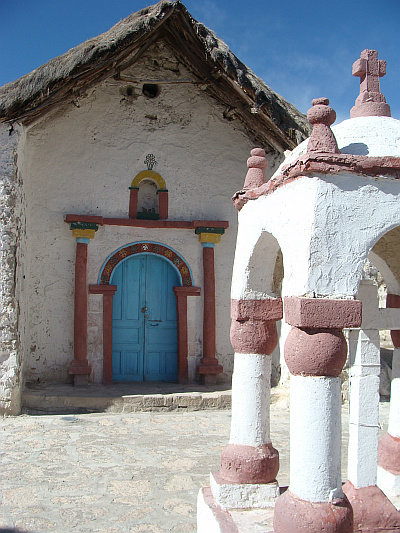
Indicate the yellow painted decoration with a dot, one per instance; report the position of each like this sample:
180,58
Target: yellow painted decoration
149,175
210,237
83,233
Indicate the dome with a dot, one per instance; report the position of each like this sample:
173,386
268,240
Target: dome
367,136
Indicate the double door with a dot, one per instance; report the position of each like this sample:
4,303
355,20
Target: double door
144,320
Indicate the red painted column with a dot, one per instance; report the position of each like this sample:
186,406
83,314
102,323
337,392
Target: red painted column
108,292
181,294
80,367
163,204
209,367
133,202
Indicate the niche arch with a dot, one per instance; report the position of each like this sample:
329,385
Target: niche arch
148,178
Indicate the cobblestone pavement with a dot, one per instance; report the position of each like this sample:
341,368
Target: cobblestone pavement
112,473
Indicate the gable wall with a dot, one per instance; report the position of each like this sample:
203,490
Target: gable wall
82,158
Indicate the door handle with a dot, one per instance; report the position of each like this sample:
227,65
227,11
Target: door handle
144,309
154,325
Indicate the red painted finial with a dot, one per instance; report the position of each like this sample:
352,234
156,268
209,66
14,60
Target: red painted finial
321,116
256,175
370,101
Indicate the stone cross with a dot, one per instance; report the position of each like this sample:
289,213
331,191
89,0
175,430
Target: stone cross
369,68
370,102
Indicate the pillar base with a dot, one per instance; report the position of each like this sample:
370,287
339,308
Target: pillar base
249,464
389,453
81,372
243,495
295,515
209,369
373,511
212,518
390,484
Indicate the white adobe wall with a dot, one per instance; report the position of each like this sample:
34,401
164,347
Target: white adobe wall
10,356
82,159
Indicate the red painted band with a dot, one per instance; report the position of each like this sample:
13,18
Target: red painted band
389,454
372,510
254,336
176,224
267,309
315,352
322,313
294,515
322,163
249,464
393,301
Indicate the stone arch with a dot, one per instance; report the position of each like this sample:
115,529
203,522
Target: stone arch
154,248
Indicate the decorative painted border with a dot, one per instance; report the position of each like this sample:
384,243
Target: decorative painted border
146,248
148,175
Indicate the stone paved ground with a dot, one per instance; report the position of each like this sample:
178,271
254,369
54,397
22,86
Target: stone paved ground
112,473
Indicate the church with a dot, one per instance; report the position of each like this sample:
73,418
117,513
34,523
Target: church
118,163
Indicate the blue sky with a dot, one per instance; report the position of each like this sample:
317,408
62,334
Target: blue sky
301,49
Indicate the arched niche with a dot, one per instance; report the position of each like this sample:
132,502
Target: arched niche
148,196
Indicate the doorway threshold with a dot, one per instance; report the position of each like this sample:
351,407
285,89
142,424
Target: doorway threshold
123,397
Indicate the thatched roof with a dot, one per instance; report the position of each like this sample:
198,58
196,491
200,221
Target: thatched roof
268,116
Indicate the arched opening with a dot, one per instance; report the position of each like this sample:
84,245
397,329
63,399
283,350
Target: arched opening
265,277
144,318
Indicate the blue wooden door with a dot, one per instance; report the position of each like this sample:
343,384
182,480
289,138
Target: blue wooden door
144,320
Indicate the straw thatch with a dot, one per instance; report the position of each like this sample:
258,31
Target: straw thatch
265,114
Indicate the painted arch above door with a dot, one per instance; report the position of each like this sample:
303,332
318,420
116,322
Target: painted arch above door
177,261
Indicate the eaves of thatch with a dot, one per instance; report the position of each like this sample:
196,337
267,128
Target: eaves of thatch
268,117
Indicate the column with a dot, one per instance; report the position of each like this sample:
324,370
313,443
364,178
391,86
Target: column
133,201
162,203
209,367
108,292
182,294
249,463
79,367
315,352
389,445
372,510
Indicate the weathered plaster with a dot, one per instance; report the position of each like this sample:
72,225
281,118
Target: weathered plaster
10,356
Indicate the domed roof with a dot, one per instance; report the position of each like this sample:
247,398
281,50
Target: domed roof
369,136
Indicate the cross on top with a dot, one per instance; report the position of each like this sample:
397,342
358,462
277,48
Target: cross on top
370,102
369,68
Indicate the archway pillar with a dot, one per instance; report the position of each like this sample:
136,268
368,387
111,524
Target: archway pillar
79,367
389,445
108,292
371,508
182,294
249,463
315,352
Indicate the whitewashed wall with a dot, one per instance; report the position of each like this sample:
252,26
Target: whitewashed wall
82,157
10,355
